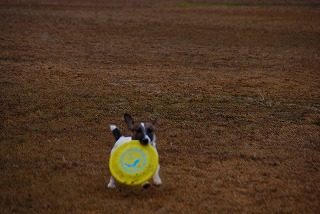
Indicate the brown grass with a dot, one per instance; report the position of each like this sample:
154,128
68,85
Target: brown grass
236,91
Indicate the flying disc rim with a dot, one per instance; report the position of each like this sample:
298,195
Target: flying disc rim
133,163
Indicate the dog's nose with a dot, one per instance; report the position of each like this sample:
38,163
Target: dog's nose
145,141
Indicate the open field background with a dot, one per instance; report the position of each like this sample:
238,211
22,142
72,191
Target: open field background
234,85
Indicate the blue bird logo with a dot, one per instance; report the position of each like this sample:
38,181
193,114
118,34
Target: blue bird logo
135,163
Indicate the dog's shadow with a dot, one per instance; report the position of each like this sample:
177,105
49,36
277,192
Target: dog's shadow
137,192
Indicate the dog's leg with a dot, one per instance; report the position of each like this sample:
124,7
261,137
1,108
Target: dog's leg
156,178
112,183
115,131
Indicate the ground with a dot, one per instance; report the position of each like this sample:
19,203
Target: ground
234,85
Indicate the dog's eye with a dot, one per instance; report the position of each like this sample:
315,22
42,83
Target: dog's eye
139,130
149,130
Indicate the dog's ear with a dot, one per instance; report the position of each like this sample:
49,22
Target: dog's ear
129,121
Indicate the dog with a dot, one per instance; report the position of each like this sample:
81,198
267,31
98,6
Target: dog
145,133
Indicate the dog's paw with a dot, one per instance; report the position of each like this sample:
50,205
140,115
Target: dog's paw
157,182
112,127
111,185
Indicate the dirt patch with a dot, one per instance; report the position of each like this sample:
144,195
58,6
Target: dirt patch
234,84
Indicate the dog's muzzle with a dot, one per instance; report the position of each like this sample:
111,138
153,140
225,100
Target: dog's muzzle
145,140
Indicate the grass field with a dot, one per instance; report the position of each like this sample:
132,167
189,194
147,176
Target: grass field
234,85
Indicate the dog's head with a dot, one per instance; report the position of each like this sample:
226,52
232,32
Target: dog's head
144,132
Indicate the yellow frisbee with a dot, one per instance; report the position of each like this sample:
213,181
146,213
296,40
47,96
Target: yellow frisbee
133,163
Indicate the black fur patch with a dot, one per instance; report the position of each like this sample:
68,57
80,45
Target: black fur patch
116,133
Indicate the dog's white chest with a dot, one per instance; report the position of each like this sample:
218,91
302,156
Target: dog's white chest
121,141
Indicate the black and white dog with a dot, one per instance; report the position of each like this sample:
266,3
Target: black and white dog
145,133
